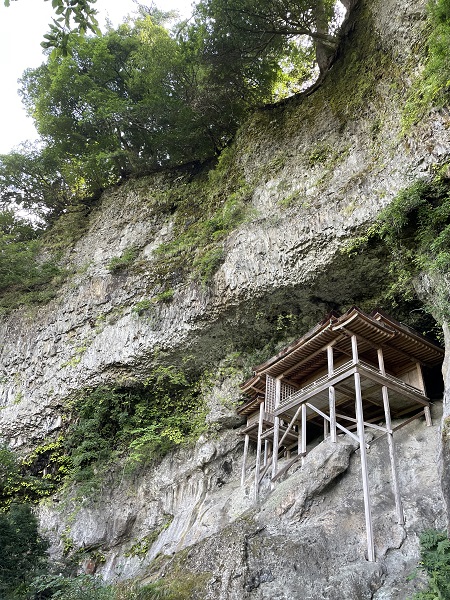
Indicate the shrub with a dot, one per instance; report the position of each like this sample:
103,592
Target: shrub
435,561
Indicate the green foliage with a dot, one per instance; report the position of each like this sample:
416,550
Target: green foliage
120,263
141,423
435,561
38,179
142,306
415,229
139,98
35,477
430,88
70,16
22,551
265,30
86,587
165,297
24,278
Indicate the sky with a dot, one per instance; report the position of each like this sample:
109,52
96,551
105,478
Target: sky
22,27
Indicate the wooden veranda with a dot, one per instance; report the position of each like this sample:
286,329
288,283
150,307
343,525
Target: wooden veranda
350,373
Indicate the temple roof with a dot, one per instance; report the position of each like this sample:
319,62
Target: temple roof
401,345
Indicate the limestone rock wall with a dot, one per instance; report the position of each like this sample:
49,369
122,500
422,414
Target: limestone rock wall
318,173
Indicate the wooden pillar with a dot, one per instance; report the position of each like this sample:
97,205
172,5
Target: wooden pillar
390,438
258,449
355,356
303,446
420,376
276,429
331,395
326,432
244,462
266,449
363,456
422,383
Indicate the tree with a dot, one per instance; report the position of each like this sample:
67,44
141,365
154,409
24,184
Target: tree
259,27
38,179
137,99
22,550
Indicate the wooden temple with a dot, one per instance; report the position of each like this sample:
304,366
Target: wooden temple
351,373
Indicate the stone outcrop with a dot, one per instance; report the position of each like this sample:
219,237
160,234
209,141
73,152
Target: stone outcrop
306,539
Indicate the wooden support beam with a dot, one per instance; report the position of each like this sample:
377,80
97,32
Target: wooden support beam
304,422
266,449
244,462
258,449
293,460
338,425
331,395
408,421
276,429
366,423
363,455
349,393
391,445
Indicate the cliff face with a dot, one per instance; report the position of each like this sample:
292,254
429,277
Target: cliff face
316,170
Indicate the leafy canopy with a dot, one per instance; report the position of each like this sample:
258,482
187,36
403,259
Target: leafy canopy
264,28
133,100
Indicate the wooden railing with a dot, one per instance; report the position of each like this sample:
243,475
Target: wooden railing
345,367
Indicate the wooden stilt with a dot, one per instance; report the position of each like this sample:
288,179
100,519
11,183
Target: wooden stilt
364,470
303,443
244,462
266,449
390,438
363,456
331,395
421,380
258,449
276,430
326,429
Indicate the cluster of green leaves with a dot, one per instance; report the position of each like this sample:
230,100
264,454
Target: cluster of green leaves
141,97
415,229
268,29
120,263
431,87
435,561
130,101
70,16
141,423
22,552
86,587
23,277
36,476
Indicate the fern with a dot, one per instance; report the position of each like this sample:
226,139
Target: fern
435,561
